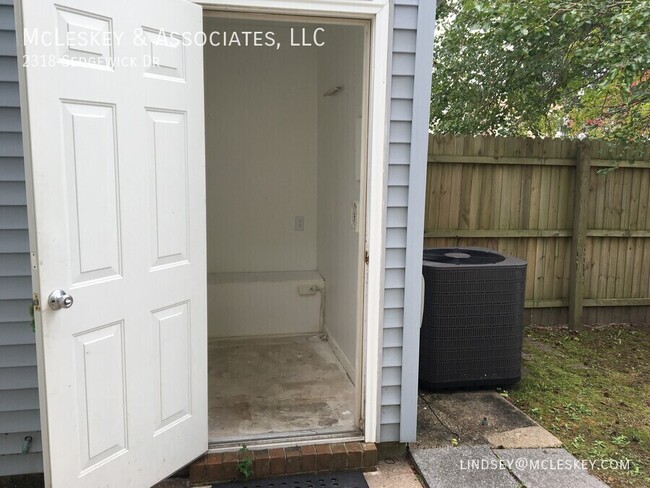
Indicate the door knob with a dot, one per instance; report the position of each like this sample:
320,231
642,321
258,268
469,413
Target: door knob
60,299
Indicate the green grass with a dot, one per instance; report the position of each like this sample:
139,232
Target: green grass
592,391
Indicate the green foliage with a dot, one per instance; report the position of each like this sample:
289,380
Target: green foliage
543,68
245,465
620,440
578,441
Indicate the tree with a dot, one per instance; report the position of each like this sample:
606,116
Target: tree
543,68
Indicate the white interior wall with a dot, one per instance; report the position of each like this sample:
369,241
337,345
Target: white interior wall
340,63
282,151
261,156
263,304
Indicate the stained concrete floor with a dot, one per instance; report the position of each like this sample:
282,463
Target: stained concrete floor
258,388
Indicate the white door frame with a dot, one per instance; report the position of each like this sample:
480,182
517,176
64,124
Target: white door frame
378,13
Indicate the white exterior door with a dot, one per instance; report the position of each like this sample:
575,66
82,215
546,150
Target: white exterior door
115,168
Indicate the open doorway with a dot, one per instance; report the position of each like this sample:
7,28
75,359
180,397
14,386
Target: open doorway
286,117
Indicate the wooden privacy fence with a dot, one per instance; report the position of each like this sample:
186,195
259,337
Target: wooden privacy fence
585,236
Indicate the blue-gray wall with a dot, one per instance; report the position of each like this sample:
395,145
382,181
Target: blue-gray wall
411,64
18,384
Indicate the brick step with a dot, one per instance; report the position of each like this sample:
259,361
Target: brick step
319,458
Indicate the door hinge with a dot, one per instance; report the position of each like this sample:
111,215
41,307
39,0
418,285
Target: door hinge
34,260
367,258
36,303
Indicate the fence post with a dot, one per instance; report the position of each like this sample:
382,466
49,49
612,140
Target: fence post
579,236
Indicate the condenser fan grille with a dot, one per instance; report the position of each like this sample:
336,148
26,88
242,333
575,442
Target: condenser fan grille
472,324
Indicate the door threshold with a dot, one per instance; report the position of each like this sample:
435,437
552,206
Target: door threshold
310,459
284,439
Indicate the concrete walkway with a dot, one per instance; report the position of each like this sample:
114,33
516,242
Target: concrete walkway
498,446
485,467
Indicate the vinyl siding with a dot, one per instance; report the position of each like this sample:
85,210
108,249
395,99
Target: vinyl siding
413,24
19,416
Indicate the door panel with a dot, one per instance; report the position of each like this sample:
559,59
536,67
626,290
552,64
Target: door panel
90,161
101,389
172,380
116,169
167,145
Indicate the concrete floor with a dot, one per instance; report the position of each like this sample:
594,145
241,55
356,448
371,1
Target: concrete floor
258,388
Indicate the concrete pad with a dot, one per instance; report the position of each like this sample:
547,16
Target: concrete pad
524,437
465,466
479,417
395,474
548,468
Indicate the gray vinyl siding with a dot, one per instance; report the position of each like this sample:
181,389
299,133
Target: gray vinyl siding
412,41
19,416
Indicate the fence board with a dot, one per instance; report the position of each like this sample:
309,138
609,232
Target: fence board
476,189
486,200
517,196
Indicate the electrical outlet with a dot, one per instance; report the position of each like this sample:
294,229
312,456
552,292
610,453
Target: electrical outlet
300,223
